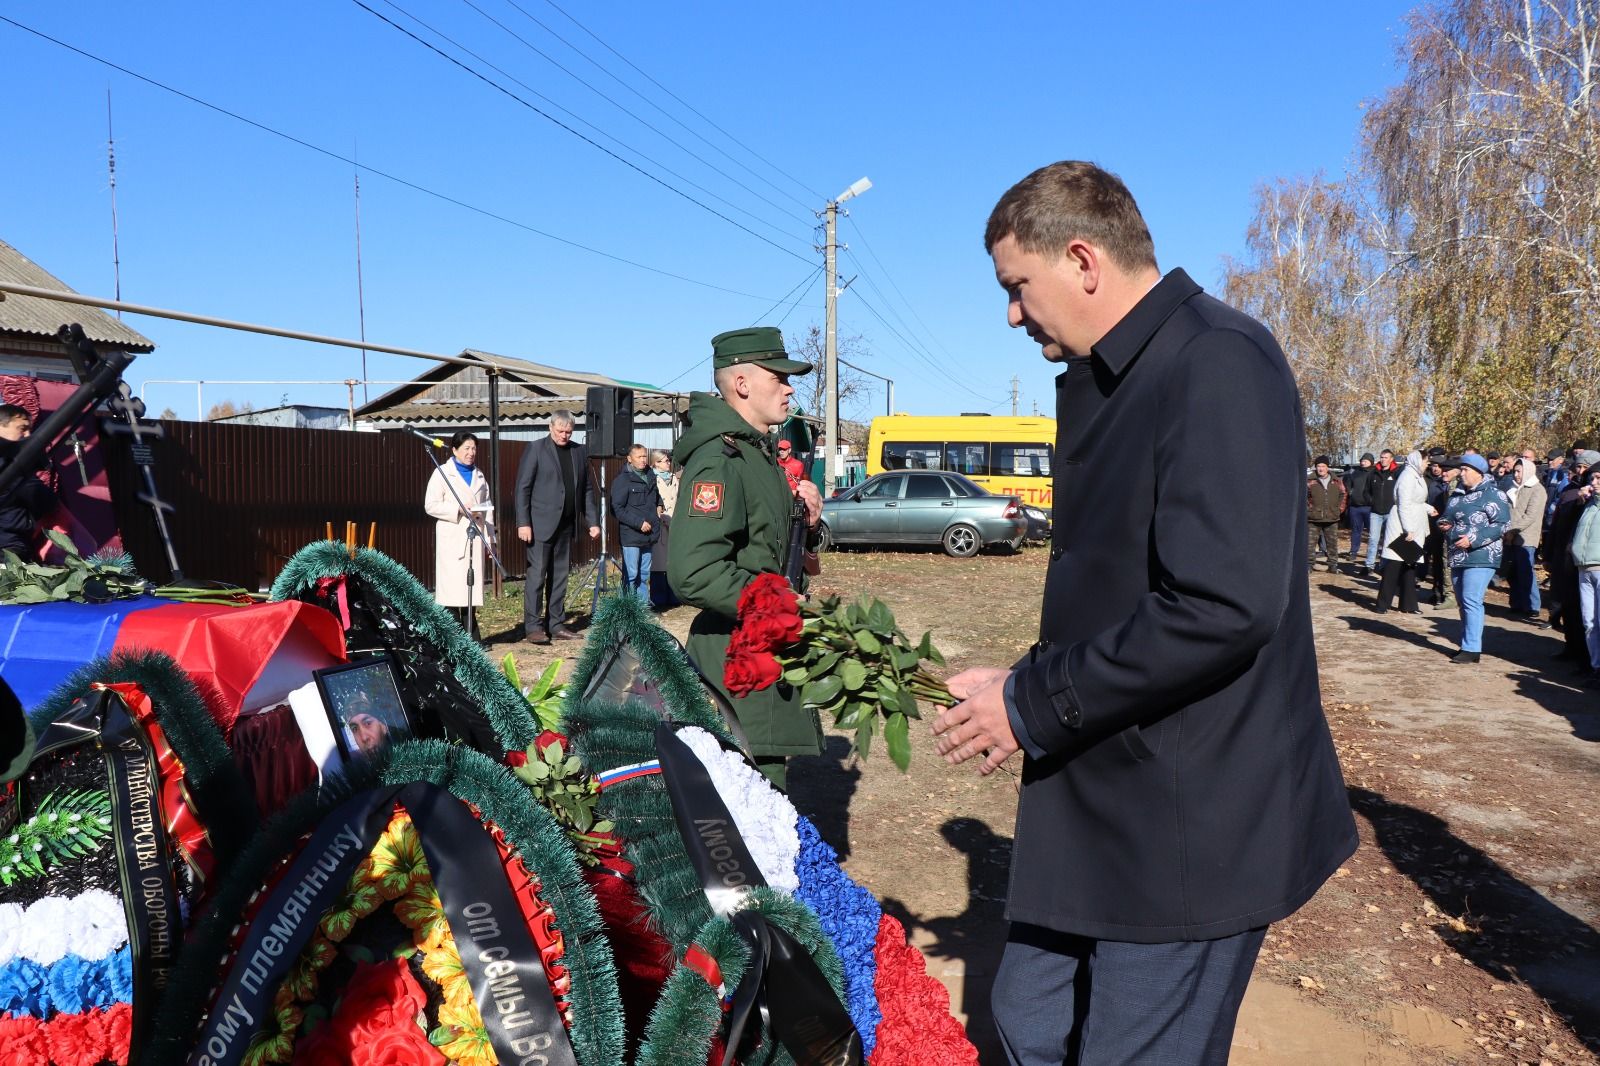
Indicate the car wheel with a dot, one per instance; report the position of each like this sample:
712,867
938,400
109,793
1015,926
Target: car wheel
824,538
962,541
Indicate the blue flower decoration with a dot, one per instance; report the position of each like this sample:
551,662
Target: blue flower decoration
23,988
849,914
118,968
68,981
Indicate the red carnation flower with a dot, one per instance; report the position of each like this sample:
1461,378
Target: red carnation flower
516,758
119,1032
76,1039
21,1041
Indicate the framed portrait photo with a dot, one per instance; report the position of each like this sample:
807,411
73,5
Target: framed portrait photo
363,705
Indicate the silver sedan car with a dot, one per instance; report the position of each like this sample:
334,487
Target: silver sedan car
923,507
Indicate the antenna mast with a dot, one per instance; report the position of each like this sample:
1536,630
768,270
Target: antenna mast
111,163
361,300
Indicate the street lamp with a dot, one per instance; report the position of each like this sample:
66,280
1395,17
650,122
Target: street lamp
830,421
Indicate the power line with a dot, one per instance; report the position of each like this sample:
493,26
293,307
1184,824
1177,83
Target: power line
909,347
580,119
581,136
816,197
626,111
951,369
785,297
811,277
801,299
681,124
909,306
329,153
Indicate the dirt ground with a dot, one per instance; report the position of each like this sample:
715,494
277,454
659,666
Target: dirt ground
1464,928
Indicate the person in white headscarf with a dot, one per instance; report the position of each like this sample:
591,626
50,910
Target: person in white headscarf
1408,522
1528,499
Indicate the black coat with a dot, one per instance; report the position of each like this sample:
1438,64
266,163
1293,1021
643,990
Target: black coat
540,499
635,501
21,508
1190,790
1383,488
1358,481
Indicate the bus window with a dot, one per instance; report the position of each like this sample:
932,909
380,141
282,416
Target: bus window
967,458
911,455
1021,460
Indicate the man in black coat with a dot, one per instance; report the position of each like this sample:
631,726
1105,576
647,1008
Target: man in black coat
1180,789
1358,487
553,492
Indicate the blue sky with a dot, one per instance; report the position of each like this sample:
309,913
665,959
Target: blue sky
942,105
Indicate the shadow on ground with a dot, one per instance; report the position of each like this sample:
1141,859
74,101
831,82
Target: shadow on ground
977,936
1507,929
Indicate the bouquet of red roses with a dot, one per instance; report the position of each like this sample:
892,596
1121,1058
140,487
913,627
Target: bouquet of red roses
849,660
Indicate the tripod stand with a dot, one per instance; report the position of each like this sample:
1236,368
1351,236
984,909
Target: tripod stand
604,561
474,531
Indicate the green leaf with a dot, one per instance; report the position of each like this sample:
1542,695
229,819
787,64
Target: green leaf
796,675
879,616
925,649
905,703
868,643
823,691
853,674
546,684
933,655
825,664
906,659
64,542
441,1036
897,735
864,735
508,666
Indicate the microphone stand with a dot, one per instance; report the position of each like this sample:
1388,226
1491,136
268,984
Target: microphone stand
472,531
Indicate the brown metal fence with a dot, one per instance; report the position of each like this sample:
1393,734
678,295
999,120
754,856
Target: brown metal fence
248,497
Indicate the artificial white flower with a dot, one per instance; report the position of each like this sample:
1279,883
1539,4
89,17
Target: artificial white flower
11,917
47,921
764,816
91,925
99,927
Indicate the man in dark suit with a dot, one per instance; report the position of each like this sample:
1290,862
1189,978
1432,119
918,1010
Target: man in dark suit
553,492
1180,789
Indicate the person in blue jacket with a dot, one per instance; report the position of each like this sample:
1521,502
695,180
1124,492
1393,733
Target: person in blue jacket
1474,527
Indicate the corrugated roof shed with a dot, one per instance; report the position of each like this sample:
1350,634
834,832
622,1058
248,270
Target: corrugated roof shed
524,386
41,318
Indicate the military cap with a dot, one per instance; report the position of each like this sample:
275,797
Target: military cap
761,345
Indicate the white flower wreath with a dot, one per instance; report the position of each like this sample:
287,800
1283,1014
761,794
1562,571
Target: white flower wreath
763,815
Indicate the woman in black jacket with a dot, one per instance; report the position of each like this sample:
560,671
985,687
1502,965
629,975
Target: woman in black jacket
637,504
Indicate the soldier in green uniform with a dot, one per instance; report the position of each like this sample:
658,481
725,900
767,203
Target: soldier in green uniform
732,522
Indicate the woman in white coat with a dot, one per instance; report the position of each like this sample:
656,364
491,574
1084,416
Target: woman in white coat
452,546
1409,519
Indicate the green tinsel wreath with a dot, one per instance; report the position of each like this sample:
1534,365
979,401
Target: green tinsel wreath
505,707
220,795
661,656
689,1012
597,1032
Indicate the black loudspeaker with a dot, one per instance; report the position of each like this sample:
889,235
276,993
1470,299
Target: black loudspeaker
608,421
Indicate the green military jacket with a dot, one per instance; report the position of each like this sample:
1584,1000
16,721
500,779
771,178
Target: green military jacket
731,522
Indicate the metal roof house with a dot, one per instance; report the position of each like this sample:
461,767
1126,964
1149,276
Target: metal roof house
28,324
455,396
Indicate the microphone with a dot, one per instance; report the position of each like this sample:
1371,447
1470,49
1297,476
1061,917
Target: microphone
415,432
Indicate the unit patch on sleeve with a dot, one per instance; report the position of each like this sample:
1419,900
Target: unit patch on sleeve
708,498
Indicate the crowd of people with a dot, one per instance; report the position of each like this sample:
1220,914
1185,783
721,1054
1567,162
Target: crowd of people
1462,523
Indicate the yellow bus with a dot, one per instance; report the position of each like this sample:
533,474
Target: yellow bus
1007,456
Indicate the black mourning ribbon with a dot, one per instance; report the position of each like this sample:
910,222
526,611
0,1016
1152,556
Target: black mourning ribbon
782,983
500,958
144,865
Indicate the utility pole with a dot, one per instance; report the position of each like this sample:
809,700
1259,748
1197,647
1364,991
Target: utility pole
830,418
1014,384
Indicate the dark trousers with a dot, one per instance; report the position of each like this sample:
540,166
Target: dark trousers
1433,562
1398,577
1324,538
1068,999
548,563
1358,527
